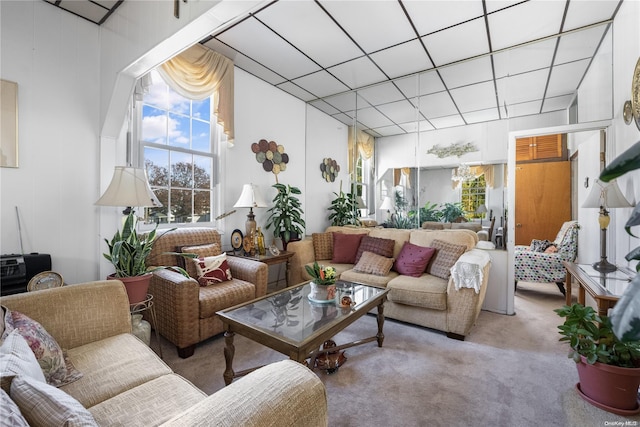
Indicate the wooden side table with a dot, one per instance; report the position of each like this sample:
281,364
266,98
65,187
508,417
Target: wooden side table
282,258
605,288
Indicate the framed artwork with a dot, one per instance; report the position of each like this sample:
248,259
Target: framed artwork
8,124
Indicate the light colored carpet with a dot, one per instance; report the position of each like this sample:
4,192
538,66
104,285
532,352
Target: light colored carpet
510,371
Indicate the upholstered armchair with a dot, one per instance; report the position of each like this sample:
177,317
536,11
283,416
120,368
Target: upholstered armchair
186,311
547,267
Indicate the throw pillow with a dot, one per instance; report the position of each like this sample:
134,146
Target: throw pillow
373,264
10,413
201,251
56,367
413,259
345,247
212,269
540,245
16,358
377,245
44,405
322,245
446,256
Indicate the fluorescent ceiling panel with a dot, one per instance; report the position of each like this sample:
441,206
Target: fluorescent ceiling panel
466,73
297,92
374,25
475,97
320,84
565,78
372,118
382,93
261,44
300,22
524,59
437,105
406,58
357,73
430,16
523,22
399,112
447,122
481,116
583,13
579,45
459,42
522,88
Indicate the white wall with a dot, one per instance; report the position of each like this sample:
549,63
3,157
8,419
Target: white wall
588,148
55,59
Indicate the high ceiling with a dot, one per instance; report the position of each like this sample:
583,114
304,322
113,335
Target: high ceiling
419,64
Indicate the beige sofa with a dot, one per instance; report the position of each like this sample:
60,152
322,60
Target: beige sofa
124,383
427,301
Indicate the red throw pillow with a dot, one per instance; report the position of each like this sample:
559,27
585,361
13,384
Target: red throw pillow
345,247
377,245
413,259
212,270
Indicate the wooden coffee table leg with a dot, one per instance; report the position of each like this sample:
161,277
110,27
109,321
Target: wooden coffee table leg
380,335
229,352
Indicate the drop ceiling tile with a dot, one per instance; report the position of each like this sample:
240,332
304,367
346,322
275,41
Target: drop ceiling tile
481,115
389,130
343,101
399,112
430,16
583,13
459,42
525,58
403,59
524,108
260,44
409,127
425,126
565,78
494,5
437,105
300,22
523,22
372,118
381,94
86,9
324,107
320,84
424,84
522,87
469,72
579,45
475,97
298,92
447,122
373,24
357,73
557,103
106,3
344,119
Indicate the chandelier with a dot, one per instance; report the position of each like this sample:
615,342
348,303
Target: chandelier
462,173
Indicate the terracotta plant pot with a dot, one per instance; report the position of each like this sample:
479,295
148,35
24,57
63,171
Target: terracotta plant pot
136,286
611,388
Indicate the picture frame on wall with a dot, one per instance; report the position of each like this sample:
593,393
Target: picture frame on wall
8,124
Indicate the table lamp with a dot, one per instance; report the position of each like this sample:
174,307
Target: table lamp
129,187
605,195
481,209
250,198
386,206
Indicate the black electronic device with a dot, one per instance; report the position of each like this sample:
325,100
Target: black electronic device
16,270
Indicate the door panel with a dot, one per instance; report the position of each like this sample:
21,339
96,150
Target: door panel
543,200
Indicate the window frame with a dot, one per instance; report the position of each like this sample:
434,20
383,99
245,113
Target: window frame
482,196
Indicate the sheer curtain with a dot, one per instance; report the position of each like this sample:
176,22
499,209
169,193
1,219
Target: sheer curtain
199,72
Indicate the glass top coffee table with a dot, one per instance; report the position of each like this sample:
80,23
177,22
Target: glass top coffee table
288,322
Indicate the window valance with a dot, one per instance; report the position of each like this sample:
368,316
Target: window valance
362,142
199,72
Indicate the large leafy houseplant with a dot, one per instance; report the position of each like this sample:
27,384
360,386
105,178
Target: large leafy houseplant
344,209
285,217
451,211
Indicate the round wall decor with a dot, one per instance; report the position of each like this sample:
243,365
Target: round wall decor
270,155
329,169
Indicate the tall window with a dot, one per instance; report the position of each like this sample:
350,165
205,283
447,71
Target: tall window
473,195
178,147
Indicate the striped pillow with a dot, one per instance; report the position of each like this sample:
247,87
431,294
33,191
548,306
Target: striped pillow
322,245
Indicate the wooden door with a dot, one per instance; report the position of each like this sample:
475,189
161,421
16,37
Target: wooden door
543,200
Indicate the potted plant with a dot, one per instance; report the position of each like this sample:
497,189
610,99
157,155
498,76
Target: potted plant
128,252
451,211
285,217
344,208
608,368
323,282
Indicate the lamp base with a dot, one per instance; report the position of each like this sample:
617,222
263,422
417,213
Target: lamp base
604,266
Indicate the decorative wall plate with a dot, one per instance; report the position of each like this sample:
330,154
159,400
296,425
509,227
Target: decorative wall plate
329,169
271,155
236,240
635,94
627,112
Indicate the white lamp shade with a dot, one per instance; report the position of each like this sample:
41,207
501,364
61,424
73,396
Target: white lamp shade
360,203
481,209
250,198
129,187
386,204
606,194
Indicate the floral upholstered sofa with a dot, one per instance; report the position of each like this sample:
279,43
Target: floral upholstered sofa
543,264
422,290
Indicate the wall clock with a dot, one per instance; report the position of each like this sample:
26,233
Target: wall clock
236,240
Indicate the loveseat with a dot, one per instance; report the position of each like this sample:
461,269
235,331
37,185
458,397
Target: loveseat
426,300
186,311
124,383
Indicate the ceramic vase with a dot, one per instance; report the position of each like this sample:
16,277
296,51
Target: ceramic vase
322,292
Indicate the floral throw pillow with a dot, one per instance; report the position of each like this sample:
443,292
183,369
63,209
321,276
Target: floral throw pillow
56,367
212,269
